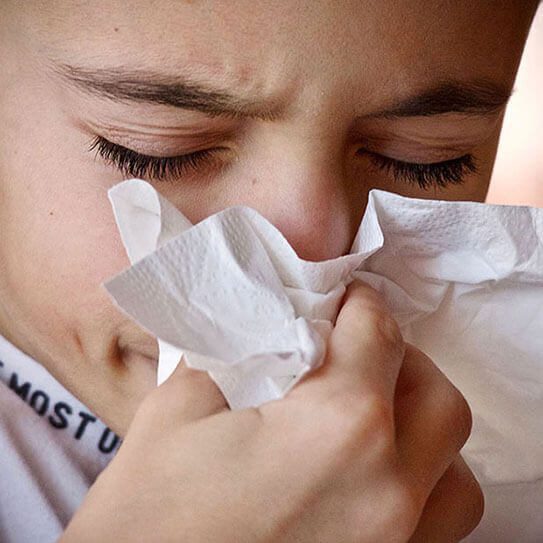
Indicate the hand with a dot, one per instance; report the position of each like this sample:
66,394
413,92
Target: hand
365,449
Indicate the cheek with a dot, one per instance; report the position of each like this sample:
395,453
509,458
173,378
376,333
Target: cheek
59,240
57,248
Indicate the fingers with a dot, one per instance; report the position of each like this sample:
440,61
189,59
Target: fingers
365,349
364,357
433,420
454,508
186,396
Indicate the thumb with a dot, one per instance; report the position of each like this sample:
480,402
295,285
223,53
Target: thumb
188,395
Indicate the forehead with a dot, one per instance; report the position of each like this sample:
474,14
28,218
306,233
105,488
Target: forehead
273,47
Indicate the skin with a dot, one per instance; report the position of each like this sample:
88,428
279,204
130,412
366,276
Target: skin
324,69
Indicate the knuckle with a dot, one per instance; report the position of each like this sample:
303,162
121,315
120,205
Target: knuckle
356,423
405,505
399,504
474,504
378,416
458,414
362,293
338,419
387,331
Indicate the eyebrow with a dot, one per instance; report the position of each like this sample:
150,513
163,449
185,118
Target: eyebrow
124,85
477,98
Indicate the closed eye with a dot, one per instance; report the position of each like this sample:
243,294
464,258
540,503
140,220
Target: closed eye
134,164
436,174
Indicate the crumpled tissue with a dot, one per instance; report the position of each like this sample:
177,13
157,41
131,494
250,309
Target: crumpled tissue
464,281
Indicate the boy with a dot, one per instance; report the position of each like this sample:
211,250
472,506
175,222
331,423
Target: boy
296,109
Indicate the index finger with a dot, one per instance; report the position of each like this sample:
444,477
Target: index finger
365,349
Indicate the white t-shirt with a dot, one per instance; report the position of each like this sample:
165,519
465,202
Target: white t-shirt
52,448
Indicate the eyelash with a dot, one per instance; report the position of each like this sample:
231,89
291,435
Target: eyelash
131,163
437,174
134,164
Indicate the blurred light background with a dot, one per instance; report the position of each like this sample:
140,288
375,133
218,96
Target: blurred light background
518,172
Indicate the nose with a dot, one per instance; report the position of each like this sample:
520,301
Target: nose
309,199
313,213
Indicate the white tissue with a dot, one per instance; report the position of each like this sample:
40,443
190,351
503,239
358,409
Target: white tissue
464,280
229,294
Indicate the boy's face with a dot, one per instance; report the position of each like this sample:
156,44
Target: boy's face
322,102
